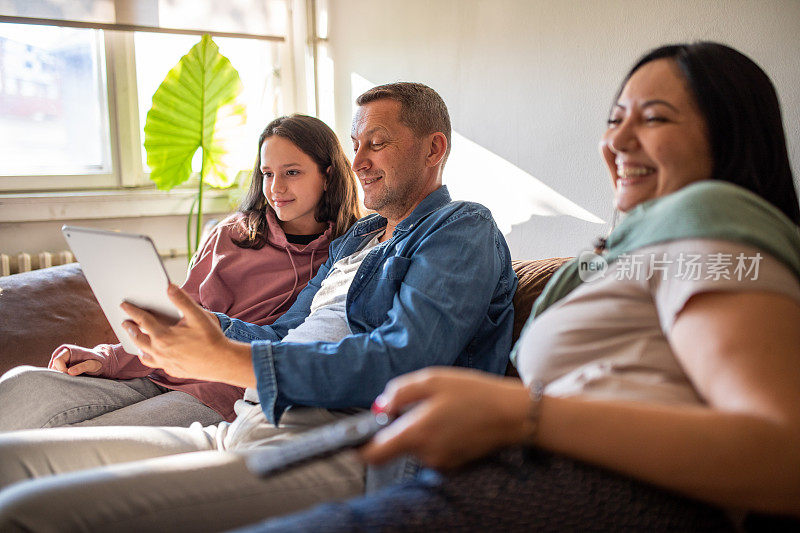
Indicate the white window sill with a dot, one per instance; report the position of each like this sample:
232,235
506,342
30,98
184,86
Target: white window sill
34,207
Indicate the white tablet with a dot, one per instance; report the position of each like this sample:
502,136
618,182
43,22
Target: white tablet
122,267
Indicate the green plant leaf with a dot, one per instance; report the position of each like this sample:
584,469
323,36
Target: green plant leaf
194,107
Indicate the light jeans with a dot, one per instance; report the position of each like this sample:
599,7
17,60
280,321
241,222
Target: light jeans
32,397
162,478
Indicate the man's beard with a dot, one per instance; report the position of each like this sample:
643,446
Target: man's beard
394,202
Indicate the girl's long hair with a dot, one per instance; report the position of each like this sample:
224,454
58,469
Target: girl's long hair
339,203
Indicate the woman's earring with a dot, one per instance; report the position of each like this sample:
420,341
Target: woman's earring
600,242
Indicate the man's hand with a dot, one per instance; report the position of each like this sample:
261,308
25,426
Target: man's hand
65,361
458,415
193,348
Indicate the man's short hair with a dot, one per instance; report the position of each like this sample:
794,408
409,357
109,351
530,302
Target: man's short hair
421,108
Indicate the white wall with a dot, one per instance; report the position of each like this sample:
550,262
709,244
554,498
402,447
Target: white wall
531,83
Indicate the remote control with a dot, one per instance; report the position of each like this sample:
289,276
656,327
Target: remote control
318,442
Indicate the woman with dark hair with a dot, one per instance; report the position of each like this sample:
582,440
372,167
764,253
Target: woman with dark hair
742,114
662,397
252,266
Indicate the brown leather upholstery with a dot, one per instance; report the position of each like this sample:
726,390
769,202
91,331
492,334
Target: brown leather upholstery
41,309
532,276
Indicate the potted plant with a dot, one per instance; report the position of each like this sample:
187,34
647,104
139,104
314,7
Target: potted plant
195,107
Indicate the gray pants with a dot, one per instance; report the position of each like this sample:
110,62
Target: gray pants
32,398
162,478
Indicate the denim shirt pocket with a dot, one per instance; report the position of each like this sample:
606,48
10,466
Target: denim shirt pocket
394,268
378,296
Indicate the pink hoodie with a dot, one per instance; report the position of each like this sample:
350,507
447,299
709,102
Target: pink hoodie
256,286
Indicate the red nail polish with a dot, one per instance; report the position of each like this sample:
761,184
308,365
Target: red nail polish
379,405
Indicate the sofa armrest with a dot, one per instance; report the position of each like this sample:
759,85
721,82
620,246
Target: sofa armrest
42,309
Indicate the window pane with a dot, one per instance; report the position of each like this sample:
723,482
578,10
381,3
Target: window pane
53,108
256,61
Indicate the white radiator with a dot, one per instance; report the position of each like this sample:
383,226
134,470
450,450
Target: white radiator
24,262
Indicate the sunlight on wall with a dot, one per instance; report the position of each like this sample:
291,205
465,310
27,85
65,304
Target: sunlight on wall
476,174
358,85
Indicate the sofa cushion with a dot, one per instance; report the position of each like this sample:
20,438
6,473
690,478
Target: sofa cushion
42,309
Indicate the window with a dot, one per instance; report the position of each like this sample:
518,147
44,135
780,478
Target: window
73,100
53,104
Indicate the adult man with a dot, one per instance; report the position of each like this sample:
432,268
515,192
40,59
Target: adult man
426,281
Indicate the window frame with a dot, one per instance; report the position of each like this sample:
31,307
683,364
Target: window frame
85,181
126,171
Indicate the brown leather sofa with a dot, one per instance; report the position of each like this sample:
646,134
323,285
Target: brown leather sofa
42,309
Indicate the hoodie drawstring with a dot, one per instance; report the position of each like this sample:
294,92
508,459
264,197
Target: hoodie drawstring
296,280
311,265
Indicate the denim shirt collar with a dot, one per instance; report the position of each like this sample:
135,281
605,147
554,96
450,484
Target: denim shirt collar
435,200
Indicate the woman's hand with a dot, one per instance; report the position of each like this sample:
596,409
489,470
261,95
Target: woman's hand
75,360
193,348
459,415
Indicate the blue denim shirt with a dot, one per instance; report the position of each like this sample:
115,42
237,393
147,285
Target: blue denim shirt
438,292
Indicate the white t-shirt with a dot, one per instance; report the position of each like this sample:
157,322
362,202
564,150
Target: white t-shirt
327,321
